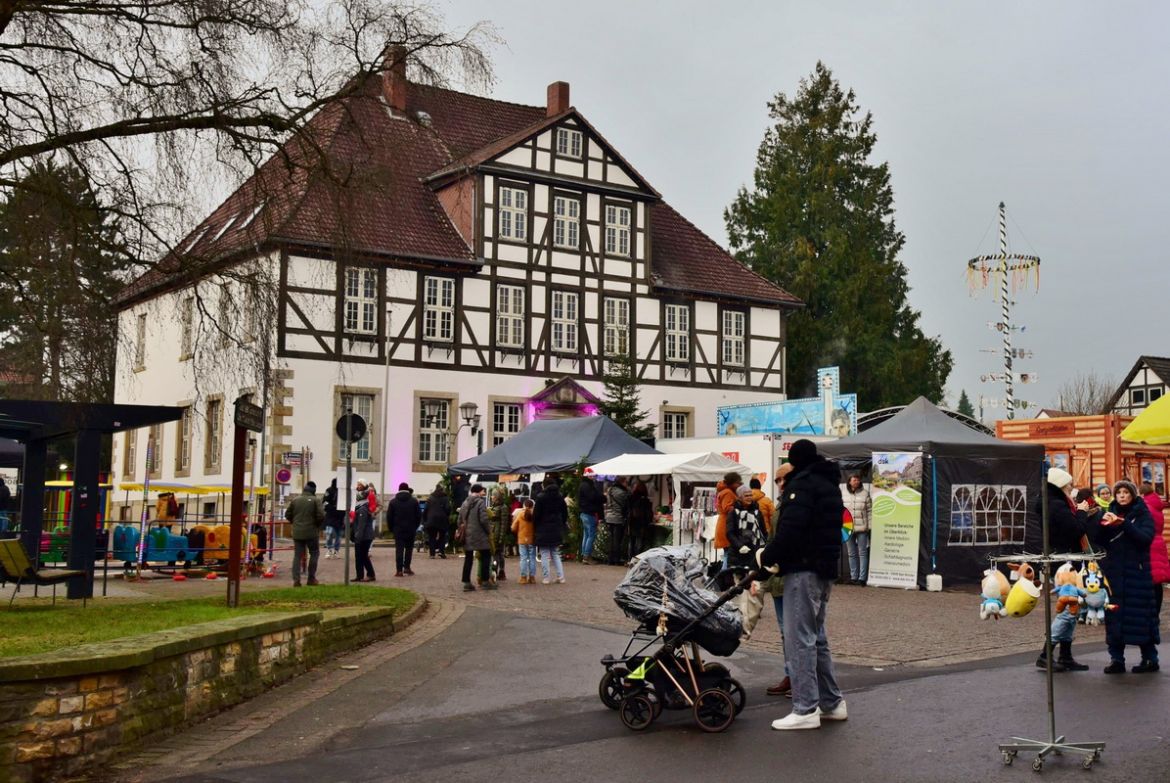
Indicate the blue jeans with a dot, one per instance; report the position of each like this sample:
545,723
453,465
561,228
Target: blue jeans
1063,626
551,554
588,534
806,648
332,539
778,602
858,548
528,560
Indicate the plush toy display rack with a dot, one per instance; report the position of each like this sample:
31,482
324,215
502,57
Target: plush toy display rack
1054,744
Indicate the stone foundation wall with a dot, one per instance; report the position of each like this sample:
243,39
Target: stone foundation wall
63,712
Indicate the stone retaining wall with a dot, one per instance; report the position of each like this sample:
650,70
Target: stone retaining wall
63,712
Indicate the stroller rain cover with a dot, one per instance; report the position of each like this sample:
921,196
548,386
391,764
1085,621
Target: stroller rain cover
666,579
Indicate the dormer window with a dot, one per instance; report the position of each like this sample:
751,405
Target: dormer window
568,143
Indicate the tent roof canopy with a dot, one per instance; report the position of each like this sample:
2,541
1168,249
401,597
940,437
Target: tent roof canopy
26,420
697,466
923,427
549,445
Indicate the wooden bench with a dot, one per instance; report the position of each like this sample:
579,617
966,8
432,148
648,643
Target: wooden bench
17,567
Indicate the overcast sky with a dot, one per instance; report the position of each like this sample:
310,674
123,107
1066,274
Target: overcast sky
1058,109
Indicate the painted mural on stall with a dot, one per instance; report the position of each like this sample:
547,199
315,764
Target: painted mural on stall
831,413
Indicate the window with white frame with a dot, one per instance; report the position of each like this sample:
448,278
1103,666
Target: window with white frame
154,450
564,321
432,432
183,441
186,335
140,342
568,143
617,327
513,213
510,316
674,424
505,421
566,222
362,405
733,338
617,230
213,443
130,457
439,309
678,333
361,301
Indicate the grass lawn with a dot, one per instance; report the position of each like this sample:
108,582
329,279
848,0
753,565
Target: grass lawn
30,628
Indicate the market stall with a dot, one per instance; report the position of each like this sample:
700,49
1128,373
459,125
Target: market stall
689,493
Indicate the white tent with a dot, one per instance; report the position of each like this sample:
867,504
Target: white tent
700,467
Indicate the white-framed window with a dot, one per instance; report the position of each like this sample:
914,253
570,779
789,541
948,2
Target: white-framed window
674,424
566,222
363,405
568,143
439,309
140,342
154,450
733,338
564,321
617,327
505,421
513,213
130,457
678,333
510,316
361,301
186,334
1137,396
183,441
213,443
432,433
617,230
1155,394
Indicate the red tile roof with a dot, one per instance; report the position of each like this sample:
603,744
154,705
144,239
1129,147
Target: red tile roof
354,178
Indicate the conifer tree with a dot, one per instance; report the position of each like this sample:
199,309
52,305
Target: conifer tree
621,402
819,222
965,406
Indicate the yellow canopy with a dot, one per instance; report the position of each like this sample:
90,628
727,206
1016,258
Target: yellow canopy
163,486
1151,426
226,489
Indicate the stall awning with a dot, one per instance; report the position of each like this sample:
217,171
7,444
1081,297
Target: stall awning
163,486
549,445
699,466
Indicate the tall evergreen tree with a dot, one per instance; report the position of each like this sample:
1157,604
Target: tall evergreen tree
965,406
61,262
621,402
819,222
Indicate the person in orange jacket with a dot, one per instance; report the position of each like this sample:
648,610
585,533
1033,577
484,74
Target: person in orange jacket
724,502
767,507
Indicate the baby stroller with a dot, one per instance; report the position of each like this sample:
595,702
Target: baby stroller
677,617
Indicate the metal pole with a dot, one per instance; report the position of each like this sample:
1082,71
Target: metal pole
1046,550
348,479
385,411
1005,312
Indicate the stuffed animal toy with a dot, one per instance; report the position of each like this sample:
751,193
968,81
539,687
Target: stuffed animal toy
1096,595
1025,593
995,590
1069,590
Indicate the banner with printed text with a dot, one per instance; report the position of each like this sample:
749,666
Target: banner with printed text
897,516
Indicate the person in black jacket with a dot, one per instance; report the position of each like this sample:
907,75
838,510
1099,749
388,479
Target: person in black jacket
807,551
1068,523
403,516
550,519
436,522
334,521
590,506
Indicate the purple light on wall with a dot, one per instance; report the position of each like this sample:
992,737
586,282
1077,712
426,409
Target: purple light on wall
590,410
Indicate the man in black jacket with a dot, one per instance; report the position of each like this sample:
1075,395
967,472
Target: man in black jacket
403,516
590,506
807,551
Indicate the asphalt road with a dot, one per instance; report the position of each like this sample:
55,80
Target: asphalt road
501,697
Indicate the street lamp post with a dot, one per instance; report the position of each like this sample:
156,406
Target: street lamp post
468,412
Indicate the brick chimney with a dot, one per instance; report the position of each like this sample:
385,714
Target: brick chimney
394,84
558,98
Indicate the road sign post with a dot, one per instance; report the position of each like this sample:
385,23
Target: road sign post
350,428
248,417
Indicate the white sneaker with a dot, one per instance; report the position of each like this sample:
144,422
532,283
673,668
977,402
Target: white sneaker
545,582
840,712
792,721
560,580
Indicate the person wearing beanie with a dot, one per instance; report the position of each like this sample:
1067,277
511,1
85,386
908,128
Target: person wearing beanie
403,517
767,507
1126,532
806,550
746,532
1104,496
1068,523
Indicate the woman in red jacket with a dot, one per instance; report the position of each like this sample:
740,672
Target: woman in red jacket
1159,562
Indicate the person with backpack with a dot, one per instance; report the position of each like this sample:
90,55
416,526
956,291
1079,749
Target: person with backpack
476,533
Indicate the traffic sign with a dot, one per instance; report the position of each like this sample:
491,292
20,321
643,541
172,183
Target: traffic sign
249,415
283,476
351,426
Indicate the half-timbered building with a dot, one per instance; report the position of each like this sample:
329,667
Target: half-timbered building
454,249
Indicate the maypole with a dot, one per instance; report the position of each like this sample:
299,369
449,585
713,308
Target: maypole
981,273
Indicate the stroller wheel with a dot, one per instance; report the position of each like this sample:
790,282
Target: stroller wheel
735,690
714,710
637,711
610,687
716,668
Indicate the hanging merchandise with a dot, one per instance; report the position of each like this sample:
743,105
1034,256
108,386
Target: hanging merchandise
995,588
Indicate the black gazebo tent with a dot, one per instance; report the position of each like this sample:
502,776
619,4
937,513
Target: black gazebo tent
551,445
35,423
976,490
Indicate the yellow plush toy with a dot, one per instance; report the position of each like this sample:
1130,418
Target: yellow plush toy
1025,593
